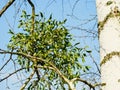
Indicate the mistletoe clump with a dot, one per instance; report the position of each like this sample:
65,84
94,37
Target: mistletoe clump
51,41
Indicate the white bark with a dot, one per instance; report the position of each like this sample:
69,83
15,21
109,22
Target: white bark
109,38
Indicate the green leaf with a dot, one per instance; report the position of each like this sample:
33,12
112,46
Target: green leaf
77,44
83,59
109,3
41,14
83,89
88,51
87,67
84,55
50,17
23,12
11,32
65,20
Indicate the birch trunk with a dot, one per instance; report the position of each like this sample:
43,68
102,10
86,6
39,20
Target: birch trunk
108,12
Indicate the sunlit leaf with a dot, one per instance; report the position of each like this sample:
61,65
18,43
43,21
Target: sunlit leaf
41,14
10,31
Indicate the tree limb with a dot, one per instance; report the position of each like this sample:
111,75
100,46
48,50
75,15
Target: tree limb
6,62
84,81
53,67
28,80
46,67
6,7
36,58
87,83
11,74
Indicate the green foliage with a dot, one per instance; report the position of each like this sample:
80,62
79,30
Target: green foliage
109,3
51,41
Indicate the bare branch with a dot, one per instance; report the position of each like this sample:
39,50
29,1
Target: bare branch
11,74
28,80
76,2
92,73
95,64
6,62
6,7
46,67
85,30
59,73
87,83
99,84
18,53
33,15
84,81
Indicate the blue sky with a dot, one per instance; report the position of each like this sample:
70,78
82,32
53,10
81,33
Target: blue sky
76,13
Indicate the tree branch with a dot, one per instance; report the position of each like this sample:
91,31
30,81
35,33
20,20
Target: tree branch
33,15
87,83
53,67
36,58
95,64
6,7
28,80
37,73
47,67
59,73
84,81
11,74
6,62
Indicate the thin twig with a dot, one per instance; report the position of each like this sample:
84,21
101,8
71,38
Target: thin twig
6,62
27,81
11,74
95,63
76,2
15,68
84,81
6,7
84,30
